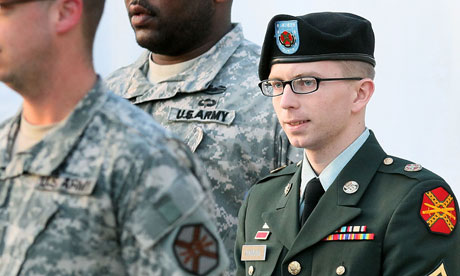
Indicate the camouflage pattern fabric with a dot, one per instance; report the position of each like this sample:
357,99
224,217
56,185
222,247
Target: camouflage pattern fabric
218,110
106,193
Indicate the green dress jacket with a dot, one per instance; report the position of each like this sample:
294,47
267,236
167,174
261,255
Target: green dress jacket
396,218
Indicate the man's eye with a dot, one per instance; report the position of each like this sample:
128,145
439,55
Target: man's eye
277,85
308,83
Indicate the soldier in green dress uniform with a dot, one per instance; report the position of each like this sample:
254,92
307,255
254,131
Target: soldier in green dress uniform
348,208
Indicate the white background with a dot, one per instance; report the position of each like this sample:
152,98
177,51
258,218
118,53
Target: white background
415,110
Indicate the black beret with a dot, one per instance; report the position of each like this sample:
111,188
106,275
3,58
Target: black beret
315,37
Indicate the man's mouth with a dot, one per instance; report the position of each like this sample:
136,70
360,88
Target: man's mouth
140,15
136,9
296,123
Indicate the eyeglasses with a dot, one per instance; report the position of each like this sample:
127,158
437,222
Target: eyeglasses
6,4
300,85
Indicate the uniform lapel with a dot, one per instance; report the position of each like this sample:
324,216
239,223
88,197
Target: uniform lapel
336,208
284,220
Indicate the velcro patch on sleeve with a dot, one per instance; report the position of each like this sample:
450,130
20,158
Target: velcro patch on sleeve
74,186
196,249
220,116
438,211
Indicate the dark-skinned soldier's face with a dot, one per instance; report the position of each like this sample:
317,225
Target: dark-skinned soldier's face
170,27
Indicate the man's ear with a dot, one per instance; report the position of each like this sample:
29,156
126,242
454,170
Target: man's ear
67,14
364,91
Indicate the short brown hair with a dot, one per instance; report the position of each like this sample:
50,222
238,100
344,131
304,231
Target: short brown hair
352,68
92,13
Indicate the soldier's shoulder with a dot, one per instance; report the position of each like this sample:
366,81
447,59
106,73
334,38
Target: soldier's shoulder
250,47
412,170
120,79
247,54
278,173
126,123
6,124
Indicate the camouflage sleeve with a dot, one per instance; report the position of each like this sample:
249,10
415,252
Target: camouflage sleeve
166,227
421,238
285,152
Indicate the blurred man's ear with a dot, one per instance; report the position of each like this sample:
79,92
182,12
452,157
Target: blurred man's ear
364,91
67,14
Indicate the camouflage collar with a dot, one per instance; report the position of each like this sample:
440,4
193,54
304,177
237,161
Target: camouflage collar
8,132
47,155
197,78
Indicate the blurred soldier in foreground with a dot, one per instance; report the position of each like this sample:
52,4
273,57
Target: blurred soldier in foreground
89,184
198,78
348,208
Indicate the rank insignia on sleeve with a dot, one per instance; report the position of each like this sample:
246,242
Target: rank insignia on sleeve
438,211
440,271
196,249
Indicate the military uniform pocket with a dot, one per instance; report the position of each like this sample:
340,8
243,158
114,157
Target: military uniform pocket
20,232
194,138
347,258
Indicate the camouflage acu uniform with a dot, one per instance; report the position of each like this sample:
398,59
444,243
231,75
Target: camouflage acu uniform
218,110
107,193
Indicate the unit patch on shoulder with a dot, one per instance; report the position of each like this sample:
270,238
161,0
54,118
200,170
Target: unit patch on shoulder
438,211
196,249
440,271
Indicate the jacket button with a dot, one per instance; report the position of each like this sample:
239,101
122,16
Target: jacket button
251,270
388,161
340,270
294,268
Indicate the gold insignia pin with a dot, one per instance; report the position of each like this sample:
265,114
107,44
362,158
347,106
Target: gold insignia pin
294,268
287,189
278,169
340,270
251,270
388,161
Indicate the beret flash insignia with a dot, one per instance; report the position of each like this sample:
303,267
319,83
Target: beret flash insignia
287,36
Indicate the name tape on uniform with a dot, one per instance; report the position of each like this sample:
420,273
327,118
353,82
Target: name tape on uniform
253,252
67,185
220,116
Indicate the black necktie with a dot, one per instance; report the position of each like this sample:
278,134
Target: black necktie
311,196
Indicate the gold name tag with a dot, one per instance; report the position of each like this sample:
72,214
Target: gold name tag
253,252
